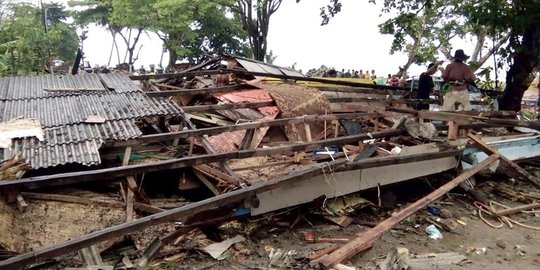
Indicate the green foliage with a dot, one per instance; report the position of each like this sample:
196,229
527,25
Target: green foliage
24,45
189,29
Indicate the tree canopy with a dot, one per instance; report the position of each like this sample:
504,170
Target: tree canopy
430,24
27,45
188,29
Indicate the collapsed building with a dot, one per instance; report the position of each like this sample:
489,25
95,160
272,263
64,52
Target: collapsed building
252,137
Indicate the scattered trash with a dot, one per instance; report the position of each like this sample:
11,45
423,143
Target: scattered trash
436,260
434,210
478,251
281,258
217,249
500,244
433,232
519,249
445,213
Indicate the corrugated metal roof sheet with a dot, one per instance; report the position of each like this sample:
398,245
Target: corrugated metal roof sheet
120,130
68,110
40,155
68,139
32,87
258,66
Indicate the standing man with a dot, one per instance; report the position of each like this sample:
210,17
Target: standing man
457,74
426,85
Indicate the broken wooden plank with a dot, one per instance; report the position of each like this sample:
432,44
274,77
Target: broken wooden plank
21,203
215,173
190,209
263,74
203,91
251,125
207,183
109,174
227,106
446,116
510,167
353,247
512,122
516,209
89,201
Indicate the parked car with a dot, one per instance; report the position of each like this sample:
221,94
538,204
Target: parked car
475,95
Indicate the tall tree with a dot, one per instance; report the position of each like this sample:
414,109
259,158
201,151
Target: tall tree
255,16
98,12
25,47
188,29
517,19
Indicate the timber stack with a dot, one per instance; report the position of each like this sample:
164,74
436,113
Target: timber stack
108,171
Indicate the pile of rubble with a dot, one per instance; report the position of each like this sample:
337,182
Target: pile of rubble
155,169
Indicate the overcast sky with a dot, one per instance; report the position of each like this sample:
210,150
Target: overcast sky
350,41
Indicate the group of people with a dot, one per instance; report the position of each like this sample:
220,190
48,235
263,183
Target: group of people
360,74
395,80
457,76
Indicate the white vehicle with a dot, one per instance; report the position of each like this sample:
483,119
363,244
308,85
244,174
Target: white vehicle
475,96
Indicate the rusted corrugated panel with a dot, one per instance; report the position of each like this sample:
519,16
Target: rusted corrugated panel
67,110
41,155
230,141
255,95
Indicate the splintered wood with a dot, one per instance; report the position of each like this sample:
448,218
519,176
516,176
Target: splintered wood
356,245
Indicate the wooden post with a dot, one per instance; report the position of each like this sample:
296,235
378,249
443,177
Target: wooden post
307,129
129,196
453,129
354,246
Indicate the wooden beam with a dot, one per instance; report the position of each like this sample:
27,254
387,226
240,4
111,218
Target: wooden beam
109,174
89,201
516,209
215,173
228,106
263,74
446,116
207,183
203,91
251,125
508,166
354,246
190,209
513,122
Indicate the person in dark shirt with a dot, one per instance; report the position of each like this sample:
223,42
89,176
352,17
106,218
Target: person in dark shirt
425,85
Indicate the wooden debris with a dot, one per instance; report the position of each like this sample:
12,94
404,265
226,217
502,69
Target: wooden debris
319,253
516,209
509,167
110,173
353,247
21,203
13,168
343,221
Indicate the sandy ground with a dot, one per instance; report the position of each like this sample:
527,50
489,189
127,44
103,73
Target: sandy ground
483,246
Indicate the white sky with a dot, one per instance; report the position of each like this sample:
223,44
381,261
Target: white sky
350,41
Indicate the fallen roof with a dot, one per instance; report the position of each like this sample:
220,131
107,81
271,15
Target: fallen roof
252,65
63,104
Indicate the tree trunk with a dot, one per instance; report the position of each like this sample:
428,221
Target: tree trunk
519,76
172,60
